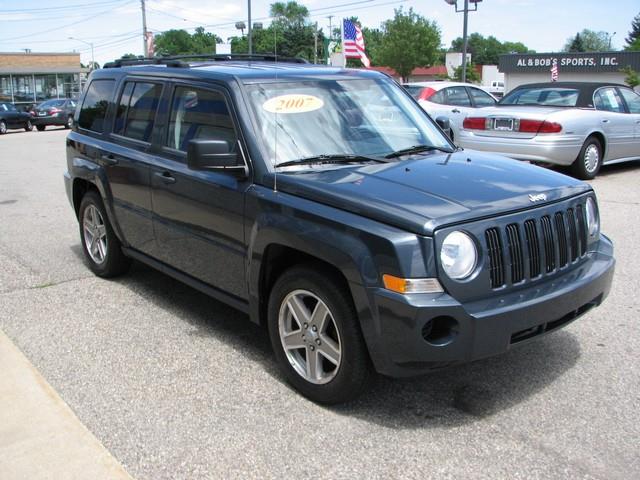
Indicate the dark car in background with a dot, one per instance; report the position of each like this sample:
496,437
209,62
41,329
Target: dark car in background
12,118
57,112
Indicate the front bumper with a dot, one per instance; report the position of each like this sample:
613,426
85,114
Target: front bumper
557,149
464,332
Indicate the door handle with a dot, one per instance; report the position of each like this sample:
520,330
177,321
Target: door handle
166,177
109,159
455,110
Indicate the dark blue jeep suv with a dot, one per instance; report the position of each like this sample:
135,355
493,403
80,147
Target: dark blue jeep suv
331,208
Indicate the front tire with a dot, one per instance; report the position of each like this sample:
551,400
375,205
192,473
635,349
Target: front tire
69,123
316,337
28,127
101,247
589,161
3,127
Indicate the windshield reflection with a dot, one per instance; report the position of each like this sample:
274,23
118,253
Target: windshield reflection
366,117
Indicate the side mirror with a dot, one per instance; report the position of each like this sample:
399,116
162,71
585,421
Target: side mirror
445,125
214,155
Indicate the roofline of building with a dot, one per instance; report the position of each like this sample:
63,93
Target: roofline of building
41,70
39,54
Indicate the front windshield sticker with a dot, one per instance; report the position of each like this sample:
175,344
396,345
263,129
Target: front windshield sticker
293,103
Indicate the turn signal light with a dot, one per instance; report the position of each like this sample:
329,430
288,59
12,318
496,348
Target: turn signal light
411,285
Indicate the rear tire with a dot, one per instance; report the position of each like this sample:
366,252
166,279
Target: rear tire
326,359
28,127
41,127
3,127
101,247
589,160
69,123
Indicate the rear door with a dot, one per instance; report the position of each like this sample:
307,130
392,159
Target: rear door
198,215
460,106
123,155
632,101
618,125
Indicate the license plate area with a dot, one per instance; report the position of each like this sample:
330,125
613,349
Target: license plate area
503,124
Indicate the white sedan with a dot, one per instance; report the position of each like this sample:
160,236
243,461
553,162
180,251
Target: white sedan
450,99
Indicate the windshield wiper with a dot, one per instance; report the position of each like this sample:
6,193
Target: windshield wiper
331,158
417,149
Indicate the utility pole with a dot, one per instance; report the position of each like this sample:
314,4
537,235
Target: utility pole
249,27
315,43
144,29
330,27
465,41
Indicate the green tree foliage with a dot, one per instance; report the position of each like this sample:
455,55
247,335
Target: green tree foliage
632,77
181,42
409,41
588,41
486,51
635,46
290,34
634,34
129,56
472,74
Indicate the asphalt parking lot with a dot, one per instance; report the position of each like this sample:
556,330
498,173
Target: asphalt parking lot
177,385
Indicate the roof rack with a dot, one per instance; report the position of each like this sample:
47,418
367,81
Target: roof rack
178,60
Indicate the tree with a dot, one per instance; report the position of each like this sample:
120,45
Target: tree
409,41
472,73
588,41
487,51
635,46
576,45
180,42
633,78
634,34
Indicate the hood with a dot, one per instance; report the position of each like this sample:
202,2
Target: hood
432,190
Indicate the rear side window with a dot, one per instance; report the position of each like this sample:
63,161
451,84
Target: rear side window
458,96
438,97
94,107
137,110
607,99
199,114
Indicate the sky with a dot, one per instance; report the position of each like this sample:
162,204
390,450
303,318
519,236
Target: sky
115,26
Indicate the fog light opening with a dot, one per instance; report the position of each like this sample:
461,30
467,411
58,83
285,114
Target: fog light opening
440,331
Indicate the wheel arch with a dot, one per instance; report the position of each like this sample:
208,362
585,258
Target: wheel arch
600,136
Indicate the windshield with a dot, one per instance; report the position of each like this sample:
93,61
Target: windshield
363,117
546,97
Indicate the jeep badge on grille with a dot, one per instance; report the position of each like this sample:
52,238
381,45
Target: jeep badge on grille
540,197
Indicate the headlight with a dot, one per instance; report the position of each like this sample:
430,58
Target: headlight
458,255
593,223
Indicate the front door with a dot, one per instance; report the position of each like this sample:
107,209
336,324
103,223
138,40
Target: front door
618,126
198,216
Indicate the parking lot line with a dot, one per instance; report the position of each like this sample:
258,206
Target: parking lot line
40,437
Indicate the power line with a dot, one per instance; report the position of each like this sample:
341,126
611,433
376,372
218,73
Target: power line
62,7
58,27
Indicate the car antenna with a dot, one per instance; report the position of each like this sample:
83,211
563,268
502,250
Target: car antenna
275,111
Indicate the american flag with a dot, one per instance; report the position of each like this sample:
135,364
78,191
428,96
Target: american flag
353,42
554,71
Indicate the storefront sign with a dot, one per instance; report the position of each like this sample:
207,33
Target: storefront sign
570,62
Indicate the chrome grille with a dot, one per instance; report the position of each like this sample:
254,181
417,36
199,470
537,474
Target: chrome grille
535,246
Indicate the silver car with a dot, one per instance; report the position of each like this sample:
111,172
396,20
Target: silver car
577,124
452,100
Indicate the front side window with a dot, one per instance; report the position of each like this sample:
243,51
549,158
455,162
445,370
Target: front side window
94,107
481,98
632,99
199,114
607,99
304,119
137,110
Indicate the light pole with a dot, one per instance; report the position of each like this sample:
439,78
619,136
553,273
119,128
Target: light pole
249,37
466,11
610,37
86,43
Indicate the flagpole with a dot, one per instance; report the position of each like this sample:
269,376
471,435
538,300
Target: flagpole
344,58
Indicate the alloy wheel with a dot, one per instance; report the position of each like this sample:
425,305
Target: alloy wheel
310,336
95,234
